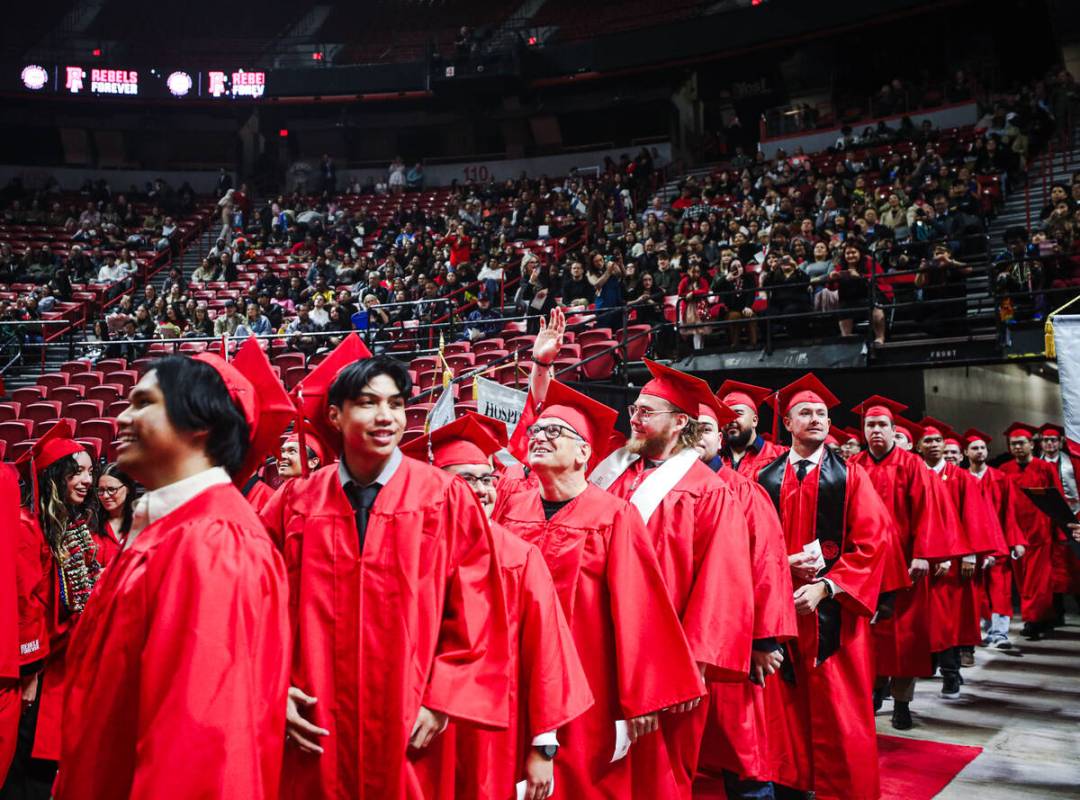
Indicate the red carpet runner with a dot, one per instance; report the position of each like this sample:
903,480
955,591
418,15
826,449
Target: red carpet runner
911,769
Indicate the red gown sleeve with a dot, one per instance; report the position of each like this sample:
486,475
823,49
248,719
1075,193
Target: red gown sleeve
935,538
469,677
655,667
774,609
869,527
977,515
554,687
35,591
10,589
214,671
1014,534
719,615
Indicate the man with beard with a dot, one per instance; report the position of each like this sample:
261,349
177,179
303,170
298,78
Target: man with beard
902,642
548,687
820,712
701,540
997,572
745,450
735,742
628,635
1035,572
955,593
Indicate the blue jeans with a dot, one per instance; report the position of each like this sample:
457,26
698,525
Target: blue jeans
738,789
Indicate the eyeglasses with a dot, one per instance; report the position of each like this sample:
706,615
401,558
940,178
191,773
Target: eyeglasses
487,481
645,414
552,432
110,491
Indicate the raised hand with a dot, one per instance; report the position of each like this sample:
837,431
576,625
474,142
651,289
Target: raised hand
550,338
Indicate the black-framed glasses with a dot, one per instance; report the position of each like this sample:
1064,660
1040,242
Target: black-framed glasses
552,432
645,414
111,491
487,481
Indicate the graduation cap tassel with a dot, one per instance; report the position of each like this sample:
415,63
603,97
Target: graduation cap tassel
300,433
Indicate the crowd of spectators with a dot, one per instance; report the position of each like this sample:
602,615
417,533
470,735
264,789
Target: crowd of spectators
863,232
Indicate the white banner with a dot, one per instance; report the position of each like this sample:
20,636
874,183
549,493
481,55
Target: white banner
442,413
1067,346
499,402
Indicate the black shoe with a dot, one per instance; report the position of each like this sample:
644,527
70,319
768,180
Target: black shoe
880,695
901,717
950,684
1031,631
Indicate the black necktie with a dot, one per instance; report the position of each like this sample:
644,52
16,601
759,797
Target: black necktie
362,498
800,468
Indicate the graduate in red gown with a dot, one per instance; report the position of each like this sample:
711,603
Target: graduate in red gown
1053,447
745,450
116,493
701,540
1035,572
955,593
735,742
821,717
395,597
902,650
178,667
548,687
998,490
59,515
628,635
23,640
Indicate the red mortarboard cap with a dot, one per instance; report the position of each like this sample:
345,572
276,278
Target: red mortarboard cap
273,410
807,389
312,390
737,393
50,448
463,441
931,426
952,437
313,440
593,420
684,391
1018,429
975,435
912,430
878,406
852,433
1052,429
495,428
834,436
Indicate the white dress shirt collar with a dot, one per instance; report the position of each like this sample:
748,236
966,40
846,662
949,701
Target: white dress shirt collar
814,458
939,467
155,504
387,472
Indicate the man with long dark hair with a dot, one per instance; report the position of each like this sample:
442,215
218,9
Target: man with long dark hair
177,671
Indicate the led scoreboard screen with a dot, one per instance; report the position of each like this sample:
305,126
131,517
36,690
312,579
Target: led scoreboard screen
83,81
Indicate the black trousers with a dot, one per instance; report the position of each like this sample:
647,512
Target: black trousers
28,778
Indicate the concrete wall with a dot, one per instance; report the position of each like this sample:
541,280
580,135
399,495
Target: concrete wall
71,178
501,169
813,141
991,397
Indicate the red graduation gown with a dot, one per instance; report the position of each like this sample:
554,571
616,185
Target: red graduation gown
753,459
178,667
902,481
700,538
548,687
736,738
417,619
259,495
631,644
957,598
997,489
1035,570
817,725
108,545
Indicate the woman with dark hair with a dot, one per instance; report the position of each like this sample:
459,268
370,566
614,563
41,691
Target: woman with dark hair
859,286
116,493
60,509
186,640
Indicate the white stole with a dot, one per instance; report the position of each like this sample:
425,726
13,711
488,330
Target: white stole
647,497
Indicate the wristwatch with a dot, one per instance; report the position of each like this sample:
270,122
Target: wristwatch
828,587
548,751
